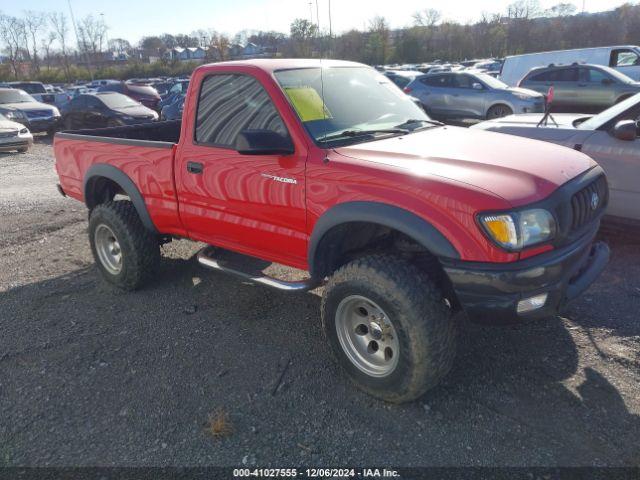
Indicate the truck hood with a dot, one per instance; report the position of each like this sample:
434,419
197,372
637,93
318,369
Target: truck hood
519,170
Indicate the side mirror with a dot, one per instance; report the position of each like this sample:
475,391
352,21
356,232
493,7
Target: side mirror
625,130
263,142
477,86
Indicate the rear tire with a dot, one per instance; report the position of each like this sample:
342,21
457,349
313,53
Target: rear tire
498,111
126,253
388,327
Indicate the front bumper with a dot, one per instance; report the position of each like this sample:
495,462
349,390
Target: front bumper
15,143
42,124
490,293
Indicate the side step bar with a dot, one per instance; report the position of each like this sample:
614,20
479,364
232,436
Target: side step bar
205,257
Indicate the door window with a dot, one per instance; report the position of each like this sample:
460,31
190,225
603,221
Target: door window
463,81
437,80
93,103
231,103
593,75
623,57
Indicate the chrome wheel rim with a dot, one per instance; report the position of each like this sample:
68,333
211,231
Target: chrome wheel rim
108,249
367,336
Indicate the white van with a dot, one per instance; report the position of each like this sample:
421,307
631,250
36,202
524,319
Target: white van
624,58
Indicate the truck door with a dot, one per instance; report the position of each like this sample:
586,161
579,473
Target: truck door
253,204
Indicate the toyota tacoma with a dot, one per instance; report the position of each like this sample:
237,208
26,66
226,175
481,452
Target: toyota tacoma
327,167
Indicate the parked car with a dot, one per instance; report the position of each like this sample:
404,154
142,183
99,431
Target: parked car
610,138
173,111
402,78
177,90
146,95
471,95
586,87
105,109
624,58
36,89
102,82
487,66
79,90
18,106
326,166
14,136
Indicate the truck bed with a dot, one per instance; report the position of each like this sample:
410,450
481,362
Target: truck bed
143,153
156,134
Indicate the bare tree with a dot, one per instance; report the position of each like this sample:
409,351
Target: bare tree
46,46
302,33
524,9
119,45
92,33
34,23
218,46
379,44
13,33
427,18
58,22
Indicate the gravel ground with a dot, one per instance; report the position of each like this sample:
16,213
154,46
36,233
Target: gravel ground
92,376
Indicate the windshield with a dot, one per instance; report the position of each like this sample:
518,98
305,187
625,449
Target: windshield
490,81
117,100
609,114
15,96
355,99
31,87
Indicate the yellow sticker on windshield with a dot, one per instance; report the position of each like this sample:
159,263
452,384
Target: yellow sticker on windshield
308,103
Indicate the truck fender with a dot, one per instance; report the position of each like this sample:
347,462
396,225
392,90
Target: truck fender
116,175
385,215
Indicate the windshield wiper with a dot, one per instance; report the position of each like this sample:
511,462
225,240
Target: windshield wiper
358,133
413,121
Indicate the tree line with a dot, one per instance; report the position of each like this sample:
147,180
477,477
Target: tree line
45,45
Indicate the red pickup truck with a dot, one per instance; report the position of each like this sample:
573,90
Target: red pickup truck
328,167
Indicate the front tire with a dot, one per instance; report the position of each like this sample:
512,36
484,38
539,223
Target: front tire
499,111
125,252
389,327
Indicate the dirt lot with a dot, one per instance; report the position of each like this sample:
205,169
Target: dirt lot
91,376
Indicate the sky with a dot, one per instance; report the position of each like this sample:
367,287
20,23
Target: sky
133,19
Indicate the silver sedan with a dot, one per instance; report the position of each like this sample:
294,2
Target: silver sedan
611,138
472,95
14,136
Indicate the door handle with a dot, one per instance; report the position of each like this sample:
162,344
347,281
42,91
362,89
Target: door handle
195,167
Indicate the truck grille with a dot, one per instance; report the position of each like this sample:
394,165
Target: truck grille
8,134
584,207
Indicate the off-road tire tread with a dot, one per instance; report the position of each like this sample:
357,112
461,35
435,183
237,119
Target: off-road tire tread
434,332
140,247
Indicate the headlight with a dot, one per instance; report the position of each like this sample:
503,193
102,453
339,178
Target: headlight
15,115
24,131
523,96
518,230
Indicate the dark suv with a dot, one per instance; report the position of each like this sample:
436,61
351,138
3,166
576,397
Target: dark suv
589,87
146,95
